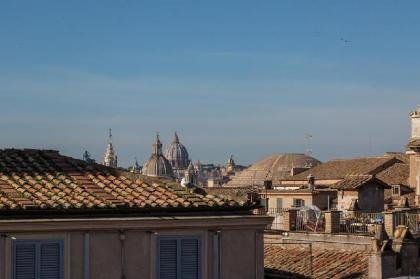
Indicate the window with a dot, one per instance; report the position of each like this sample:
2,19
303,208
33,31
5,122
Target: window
279,203
264,202
298,203
41,259
396,190
178,257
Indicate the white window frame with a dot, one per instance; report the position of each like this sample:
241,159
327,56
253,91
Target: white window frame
399,190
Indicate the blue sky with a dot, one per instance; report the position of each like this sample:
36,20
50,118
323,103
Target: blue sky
241,77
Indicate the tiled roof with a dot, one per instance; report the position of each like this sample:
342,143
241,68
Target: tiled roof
295,262
353,182
339,169
236,193
397,174
42,179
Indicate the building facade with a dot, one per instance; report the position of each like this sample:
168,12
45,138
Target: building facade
63,218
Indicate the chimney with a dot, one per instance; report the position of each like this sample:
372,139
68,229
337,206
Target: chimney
414,152
268,185
311,182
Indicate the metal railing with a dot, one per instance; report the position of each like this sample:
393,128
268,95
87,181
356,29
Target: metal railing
278,214
360,222
409,219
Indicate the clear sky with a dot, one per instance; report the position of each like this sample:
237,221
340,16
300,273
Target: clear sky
241,77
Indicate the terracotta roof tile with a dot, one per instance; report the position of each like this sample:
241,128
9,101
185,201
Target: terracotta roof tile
353,182
295,262
397,174
44,179
339,169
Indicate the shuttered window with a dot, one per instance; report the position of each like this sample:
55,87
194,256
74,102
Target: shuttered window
37,259
279,203
179,258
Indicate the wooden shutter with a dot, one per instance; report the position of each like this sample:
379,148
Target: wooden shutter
24,260
167,259
190,258
50,261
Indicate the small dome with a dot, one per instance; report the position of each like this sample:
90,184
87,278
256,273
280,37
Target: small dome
177,154
157,165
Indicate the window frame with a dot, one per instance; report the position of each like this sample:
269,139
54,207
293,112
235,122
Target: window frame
38,243
394,187
298,202
178,239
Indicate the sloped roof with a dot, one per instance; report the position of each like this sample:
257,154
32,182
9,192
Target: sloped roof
46,180
354,182
339,169
327,264
397,174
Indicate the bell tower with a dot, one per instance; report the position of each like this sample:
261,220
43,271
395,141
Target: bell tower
110,159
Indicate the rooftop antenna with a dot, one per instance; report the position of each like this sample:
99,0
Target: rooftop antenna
308,140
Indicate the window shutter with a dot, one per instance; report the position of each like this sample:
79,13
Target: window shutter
264,203
190,259
25,261
167,259
50,261
279,203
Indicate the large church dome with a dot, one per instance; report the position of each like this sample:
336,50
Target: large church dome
274,167
157,165
177,154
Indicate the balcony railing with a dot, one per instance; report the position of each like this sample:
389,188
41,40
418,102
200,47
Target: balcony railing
411,219
360,222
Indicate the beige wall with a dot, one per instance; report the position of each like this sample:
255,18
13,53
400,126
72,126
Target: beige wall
414,170
319,199
304,182
287,199
344,199
241,245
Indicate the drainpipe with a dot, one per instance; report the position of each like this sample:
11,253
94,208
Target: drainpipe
86,256
215,235
122,240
